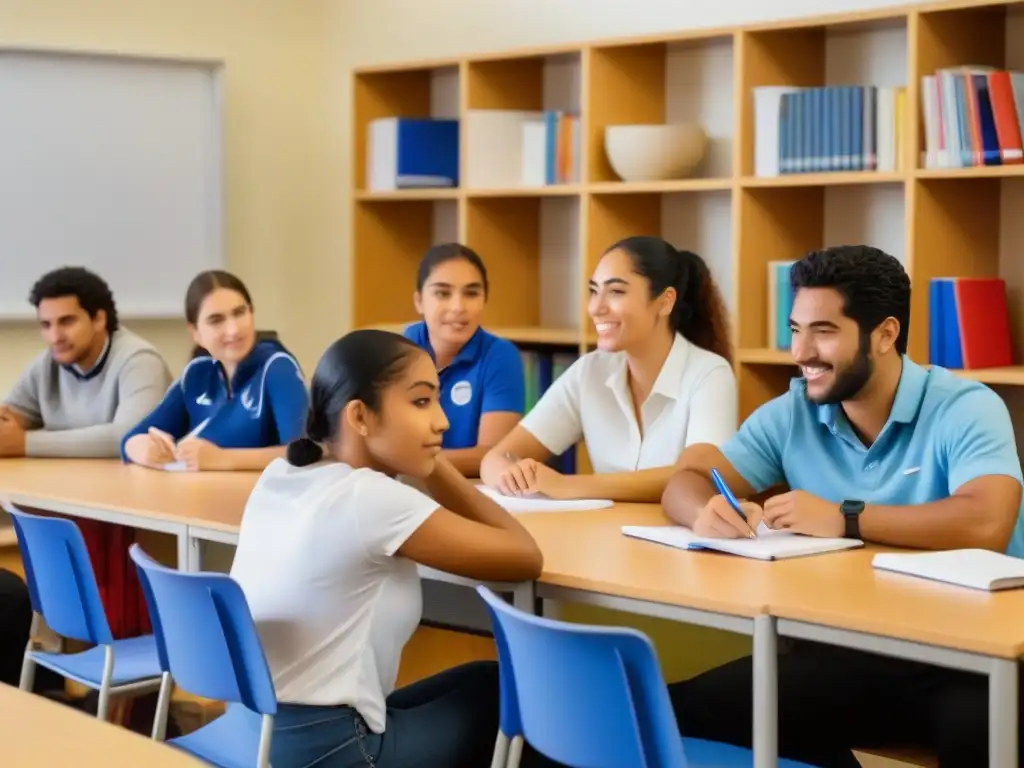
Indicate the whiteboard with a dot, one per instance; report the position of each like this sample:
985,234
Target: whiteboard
112,163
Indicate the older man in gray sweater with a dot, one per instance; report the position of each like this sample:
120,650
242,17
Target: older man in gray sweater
92,384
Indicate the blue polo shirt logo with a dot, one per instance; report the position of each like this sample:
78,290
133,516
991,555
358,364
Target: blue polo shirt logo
485,376
462,392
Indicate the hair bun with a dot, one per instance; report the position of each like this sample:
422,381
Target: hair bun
303,452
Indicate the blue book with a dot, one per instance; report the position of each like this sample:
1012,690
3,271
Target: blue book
408,152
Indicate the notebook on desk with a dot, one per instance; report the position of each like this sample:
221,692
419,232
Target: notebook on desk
769,544
973,568
541,503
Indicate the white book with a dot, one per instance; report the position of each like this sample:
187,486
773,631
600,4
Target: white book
541,503
974,568
768,545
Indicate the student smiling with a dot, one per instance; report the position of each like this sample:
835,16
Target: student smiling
237,403
659,381
483,392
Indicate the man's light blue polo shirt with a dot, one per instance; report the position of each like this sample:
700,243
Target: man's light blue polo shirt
485,377
943,431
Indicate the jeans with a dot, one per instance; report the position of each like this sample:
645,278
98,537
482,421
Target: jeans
449,720
832,700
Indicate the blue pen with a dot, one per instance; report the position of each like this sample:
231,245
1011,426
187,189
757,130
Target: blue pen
728,494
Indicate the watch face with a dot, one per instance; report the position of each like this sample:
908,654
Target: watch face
851,507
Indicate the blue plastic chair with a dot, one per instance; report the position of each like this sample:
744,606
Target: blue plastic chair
63,591
590,696
207,644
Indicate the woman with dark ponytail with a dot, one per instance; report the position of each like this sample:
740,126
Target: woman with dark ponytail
327,556
660,380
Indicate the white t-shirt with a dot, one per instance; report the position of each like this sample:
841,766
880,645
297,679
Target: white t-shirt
333,604
693,400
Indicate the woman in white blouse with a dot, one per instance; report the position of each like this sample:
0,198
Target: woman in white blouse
660,380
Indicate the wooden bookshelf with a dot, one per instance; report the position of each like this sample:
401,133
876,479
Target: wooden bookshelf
541,243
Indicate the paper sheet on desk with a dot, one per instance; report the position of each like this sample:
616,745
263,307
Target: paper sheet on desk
541,503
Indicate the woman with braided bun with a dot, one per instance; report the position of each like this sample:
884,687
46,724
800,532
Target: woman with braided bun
660,379
327,555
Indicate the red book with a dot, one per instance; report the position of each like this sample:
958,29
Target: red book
984,322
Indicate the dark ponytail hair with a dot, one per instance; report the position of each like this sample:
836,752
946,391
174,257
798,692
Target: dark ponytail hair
358,366
699,312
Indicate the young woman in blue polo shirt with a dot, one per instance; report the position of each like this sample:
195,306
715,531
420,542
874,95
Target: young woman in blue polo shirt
483,391
239,400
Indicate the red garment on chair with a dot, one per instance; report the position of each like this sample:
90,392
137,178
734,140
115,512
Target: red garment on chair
122,597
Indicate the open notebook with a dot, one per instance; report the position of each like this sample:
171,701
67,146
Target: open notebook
769,544
974,568
540,503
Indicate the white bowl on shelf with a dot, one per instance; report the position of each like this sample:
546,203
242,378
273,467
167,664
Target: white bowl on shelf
655,152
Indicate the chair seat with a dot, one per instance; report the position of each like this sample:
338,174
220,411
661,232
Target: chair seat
135,660
713,754
230,741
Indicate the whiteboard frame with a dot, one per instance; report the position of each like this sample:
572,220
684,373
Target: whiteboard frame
218,245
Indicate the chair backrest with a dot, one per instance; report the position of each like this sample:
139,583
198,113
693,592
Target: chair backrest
61,582
205,634
585,695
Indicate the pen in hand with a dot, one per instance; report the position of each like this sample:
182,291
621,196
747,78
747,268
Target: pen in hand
730,498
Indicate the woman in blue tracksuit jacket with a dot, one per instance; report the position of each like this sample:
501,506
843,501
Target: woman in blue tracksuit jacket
237,403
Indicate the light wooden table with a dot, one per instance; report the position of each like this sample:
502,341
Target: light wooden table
35,731
589,561
838,599
112,492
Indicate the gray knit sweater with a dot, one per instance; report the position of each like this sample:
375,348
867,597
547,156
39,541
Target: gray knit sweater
71,416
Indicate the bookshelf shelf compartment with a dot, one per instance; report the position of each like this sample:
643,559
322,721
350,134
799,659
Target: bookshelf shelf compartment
810,57
531,248
513,108
422,92
957,39
389,238
663,83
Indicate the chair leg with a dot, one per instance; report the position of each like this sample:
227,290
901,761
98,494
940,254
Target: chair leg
108,672
500,759
515,752
163,707
266,731
28,665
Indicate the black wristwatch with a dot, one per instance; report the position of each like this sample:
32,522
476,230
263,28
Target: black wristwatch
851,513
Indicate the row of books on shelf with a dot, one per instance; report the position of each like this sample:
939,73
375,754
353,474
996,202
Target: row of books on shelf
828,128
968,323
522,148
541,368
973,116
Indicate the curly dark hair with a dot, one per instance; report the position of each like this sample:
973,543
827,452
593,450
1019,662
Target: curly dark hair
873,284
699,313
90,289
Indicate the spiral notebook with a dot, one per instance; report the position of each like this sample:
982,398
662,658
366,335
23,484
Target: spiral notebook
768,545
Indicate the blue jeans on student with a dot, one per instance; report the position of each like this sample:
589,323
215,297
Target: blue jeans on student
449,720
